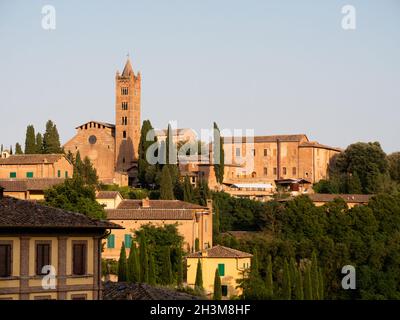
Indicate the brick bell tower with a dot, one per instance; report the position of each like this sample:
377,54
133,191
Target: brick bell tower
127,120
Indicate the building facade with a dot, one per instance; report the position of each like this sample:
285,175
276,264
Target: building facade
232,265
36,239
28,189
193,222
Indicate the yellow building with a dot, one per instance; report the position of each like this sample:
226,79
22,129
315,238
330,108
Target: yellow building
109,199
232,266
28,166
28,189
194,222
35,237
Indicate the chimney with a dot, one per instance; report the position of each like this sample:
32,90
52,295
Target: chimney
146,203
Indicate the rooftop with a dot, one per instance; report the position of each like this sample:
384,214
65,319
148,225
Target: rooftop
158,204
15,213
31,158
220,252
315,144
274,138
324,197
34,184
107,194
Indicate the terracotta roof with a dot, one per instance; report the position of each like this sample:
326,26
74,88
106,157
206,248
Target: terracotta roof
274,138
220,252
16,213
315,144
141,291
35,184
106,124
357,198
31,158
107,194
179,131
159,204
150,214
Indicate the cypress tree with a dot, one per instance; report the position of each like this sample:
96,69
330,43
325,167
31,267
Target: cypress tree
30,143
144,261
51,139
89,172
1,148
321,285
187,190
293,274
199,277
308,294
18,149
166,268
122,265
133,265
166,187
39,143
179,278
152,270
11,150
314,276
286,285
196,245
217,286
171,150
218,150
299,293
269,282
144,167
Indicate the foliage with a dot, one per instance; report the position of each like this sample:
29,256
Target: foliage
199,276
133,272
166,187
147,173
18,148
30,143
122,265
218,151
51,139
217,286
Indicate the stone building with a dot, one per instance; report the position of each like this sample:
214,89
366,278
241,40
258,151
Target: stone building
193,221
33,236
113,148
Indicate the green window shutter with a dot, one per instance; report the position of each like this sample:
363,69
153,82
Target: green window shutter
59,173
29,174
66,174
221,269
13,174
128,241
111,241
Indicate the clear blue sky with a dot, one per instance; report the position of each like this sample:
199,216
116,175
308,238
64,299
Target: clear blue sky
279,67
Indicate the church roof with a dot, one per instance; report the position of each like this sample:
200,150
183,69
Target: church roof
128,70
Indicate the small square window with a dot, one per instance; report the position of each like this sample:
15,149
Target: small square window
265,152
59,173
13,174
29,174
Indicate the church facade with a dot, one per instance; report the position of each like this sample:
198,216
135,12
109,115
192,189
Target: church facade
113,148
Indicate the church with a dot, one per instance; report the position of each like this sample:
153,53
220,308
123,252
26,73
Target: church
113,148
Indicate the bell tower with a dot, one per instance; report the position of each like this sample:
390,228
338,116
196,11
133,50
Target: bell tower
127,118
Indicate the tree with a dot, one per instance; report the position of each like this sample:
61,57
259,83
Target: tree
321,284
308,293
170,148
122,265
199,277
51,139
166,187
315,276
299,293
394,166
187,190
146,172
287,286
218,151
133,273
39,143
30,143
18,149
179,278
217,286
152,270
269,282
166,269
73,195
196,245
144,261
11,150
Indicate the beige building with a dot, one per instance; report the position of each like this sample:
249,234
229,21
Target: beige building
113,148
182,135
28,189
351,200
232,266
109,199
193,221
33,236
28,166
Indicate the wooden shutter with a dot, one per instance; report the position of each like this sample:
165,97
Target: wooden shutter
42,256
79,259
221,269
5,260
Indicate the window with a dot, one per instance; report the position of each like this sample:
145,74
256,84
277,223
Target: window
265,152
253,151
66,174
124,121
221,269
5,260
124,134
294,171
224,290
78,297
79,258
42,257
265,171
124,91
29,174
237,152
13,174
275,171
284,170
128,240
59,173
111,241
124,105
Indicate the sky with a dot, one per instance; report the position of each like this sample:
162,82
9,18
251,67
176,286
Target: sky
278,67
